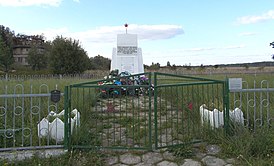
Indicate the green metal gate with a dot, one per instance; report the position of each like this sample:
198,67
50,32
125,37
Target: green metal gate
179,102
163,112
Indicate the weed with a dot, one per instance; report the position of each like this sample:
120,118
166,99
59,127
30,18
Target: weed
184,150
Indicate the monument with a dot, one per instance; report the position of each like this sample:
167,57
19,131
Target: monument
127,56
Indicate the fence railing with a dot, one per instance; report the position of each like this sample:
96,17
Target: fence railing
27,113
24,111
257,103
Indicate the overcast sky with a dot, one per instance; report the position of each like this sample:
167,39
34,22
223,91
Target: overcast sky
183,32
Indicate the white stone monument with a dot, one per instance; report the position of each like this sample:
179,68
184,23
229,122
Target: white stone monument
127,56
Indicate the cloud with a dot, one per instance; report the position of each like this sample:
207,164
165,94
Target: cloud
201,49
17,3
256,18
234,47
96,40
108,34
49,33
156,32
78,1
145,32
248,34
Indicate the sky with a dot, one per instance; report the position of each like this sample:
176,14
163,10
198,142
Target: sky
183,32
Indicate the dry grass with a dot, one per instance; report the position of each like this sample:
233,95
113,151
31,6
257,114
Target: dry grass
219,70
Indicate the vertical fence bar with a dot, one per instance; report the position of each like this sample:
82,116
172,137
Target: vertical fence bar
226,105
171,116
155,111
6,116
149,113
66,139
31,102
182,110
177,114
189,106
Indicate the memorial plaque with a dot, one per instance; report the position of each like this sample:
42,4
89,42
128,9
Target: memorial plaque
55,96
235,83
126,50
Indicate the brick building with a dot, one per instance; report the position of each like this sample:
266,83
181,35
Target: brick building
22,45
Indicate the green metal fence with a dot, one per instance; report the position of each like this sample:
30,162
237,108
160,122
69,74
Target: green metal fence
163,112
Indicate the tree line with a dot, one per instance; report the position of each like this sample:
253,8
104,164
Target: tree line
62,55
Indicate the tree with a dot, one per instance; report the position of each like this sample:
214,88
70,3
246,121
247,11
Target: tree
154,66
6,48
202,67
246,66
67,56
272,44
37,58
173,67
99,63
3,54
168,64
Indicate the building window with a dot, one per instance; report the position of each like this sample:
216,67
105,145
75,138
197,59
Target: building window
20,59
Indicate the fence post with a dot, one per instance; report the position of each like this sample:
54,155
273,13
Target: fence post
226,106
149,115
155,111
66,127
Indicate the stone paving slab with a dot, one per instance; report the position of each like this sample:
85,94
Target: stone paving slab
130,159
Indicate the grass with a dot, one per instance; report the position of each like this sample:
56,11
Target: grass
248,147
184,151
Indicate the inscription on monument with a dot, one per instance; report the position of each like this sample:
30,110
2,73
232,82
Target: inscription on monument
126,50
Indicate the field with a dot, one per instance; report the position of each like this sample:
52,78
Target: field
254,147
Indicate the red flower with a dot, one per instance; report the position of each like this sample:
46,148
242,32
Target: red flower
190,105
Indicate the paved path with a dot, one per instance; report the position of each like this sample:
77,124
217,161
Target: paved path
165,158
203,155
